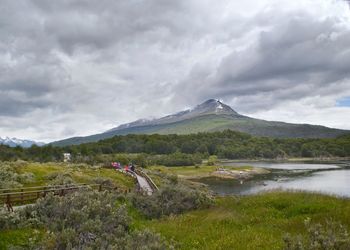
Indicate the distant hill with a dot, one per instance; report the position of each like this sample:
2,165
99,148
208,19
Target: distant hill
13,142
210,116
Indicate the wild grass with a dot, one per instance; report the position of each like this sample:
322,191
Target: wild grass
18,237
194,171
252,222
80,173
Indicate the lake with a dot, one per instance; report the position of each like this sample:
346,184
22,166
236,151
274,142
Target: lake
328,178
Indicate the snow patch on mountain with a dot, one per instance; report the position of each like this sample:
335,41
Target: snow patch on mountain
209,107
13,142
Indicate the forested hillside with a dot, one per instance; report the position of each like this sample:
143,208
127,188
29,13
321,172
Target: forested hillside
185,149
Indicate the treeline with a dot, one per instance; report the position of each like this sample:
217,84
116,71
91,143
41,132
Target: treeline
187,149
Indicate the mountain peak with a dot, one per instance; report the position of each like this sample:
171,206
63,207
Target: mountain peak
13,142
209,107
213,106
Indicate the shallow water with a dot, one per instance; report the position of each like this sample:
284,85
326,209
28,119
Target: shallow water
286,166
322,178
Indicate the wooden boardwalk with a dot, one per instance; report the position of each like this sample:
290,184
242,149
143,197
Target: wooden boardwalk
27,195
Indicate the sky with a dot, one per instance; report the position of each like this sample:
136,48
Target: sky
79,67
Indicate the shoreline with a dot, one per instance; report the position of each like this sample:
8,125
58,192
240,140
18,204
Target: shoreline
228,173
301,159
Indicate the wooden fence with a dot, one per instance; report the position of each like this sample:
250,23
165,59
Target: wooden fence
27,195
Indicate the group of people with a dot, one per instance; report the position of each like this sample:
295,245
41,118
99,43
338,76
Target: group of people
118,165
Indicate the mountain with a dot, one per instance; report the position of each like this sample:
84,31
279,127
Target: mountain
13,142
207,108
212,115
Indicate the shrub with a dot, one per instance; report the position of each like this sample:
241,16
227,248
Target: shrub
212,160
332,235
8,219
142,240
10,179
171,199
177,159
106,182
86,220
56,179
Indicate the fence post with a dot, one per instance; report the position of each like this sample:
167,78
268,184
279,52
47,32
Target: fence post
22,198
8,203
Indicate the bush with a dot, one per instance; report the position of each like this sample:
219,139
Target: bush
142,240
106,182
86,220
8,219
171,199
57,179
332,235
212,160
10,179
178,159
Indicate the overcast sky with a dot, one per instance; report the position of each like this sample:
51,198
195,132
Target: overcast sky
78,67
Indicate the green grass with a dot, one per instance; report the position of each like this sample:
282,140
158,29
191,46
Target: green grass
251,222
79,173
194,172
18,237
246,222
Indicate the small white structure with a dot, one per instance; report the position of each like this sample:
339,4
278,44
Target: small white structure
67,157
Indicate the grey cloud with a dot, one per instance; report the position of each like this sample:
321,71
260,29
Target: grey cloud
101,24
12,105
297,57
76,67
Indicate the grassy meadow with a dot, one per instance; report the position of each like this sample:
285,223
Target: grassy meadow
80,173
251,222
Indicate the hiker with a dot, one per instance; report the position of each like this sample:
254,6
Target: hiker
132,167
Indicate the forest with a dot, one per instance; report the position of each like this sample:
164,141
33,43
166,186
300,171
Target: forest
183,150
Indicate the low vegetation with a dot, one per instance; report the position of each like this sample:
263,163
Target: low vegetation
9,178
20,173
194,172
171,199
180,215
261,221
89,219
331,235
82,220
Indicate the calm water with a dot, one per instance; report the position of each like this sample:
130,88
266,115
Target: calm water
323,178
286,166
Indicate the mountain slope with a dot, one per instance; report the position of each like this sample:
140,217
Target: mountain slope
13,142
210,116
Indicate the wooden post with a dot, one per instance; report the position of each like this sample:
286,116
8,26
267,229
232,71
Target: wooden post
22,198
8,203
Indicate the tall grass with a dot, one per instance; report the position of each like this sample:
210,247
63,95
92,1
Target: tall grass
252,222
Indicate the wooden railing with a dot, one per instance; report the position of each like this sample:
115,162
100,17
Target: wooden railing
27,195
